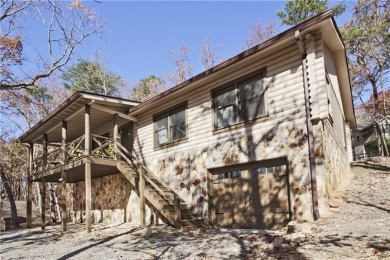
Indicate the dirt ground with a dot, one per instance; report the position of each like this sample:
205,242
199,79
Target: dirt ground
358,229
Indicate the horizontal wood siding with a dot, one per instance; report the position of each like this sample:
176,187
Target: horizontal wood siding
183,166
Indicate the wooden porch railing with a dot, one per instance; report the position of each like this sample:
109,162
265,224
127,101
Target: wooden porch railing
75,149
103,147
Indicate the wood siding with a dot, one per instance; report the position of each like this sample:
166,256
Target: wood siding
183,165
331,133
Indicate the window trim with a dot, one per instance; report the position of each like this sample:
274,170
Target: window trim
167,113
262,73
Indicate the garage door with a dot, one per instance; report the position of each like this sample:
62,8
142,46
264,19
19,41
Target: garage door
251,198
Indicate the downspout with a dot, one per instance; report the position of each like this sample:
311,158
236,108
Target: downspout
309,125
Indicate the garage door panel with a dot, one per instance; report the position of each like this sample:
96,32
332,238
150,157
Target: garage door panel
224,219
246,221
252,198
275,220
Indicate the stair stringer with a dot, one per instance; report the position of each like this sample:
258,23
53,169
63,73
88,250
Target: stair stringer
160,203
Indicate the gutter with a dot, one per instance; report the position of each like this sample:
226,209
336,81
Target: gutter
262,46
309,125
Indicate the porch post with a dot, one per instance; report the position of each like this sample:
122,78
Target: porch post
115,135
29,185
142,197
43,191
88,195
63,177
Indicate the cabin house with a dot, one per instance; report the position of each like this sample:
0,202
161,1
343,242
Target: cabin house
254,142
364,140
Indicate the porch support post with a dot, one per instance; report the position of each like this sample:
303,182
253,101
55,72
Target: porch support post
63,176
115,135
88,195
29,185
142,197
43,191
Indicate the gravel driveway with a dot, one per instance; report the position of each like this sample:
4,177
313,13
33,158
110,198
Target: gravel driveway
359,229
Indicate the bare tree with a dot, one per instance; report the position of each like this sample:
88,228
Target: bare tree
209,54
366,36
66,25
259,33
180,60
23,108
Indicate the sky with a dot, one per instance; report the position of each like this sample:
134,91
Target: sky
138,36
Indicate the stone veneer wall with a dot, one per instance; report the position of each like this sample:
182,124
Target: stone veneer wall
186,171
332,163
113,201
331,151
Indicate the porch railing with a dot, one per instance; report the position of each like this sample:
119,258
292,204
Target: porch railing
108,148
75,149
103,147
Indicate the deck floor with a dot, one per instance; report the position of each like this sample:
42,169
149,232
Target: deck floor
75,170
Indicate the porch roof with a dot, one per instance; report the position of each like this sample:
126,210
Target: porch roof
72,111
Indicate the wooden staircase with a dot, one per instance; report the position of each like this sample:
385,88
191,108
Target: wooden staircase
159,197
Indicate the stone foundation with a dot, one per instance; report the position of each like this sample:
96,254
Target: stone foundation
331,161
186,171
113,201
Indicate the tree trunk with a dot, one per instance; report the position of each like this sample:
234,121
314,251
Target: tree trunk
14,212
381,137
55,212
52,203
57,204
38,196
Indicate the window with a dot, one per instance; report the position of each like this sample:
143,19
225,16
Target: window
239,102
231,175
170,126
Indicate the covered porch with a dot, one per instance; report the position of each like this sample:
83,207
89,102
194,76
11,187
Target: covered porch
77,142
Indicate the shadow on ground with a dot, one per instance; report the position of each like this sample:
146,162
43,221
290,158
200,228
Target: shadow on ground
372,166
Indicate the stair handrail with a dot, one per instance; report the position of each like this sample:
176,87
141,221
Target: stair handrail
135,161
158,189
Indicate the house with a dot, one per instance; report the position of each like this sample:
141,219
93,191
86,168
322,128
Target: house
254,142
364,140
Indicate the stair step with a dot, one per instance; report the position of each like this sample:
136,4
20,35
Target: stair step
158,197
158,184
190,216
186,211
172,208
192,223
154,192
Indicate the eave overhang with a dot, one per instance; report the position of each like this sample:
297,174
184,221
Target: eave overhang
72,111
323,22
